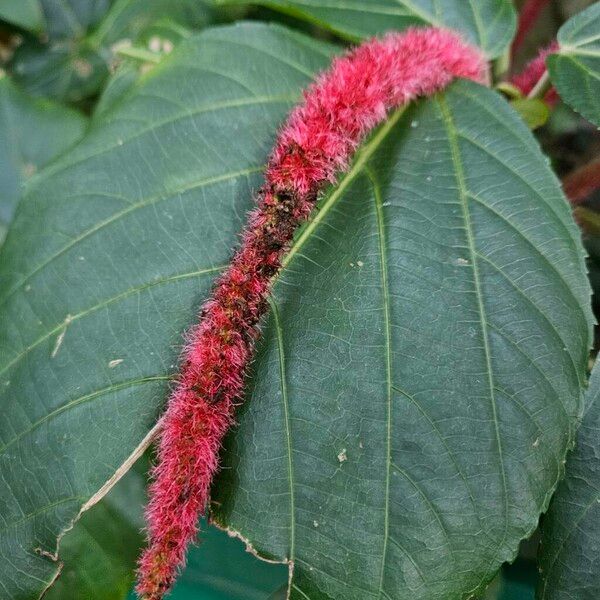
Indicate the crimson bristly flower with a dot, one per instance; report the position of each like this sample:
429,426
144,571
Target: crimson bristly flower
529,77
317,142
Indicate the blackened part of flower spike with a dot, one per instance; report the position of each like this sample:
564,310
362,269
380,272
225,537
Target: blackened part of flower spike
316,142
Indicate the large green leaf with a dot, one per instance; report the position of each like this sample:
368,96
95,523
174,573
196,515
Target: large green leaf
24,13
73,63
32,133
419,378
570,550
420,375
575,69
488,23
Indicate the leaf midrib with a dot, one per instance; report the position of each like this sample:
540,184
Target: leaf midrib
288,426
453,137
360,165
378,201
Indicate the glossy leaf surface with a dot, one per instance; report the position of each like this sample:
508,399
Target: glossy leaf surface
421,372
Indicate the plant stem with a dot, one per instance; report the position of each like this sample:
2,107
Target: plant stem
583,182
139,54
541,87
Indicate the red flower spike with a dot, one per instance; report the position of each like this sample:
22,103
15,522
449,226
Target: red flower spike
526,81
317,141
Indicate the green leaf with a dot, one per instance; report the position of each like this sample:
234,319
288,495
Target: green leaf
533,111
72,18
575,69
570,551
74,62
165,33
24,13
129,18
121,81
63,70
488,23
420,375
418,380
99,554
32,133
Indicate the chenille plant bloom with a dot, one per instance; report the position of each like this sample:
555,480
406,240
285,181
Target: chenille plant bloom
535,74
315,144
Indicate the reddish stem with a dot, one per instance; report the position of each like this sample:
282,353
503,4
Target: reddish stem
528,17
583,182
317,141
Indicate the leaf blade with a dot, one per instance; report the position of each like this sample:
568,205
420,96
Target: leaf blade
322,346
56,245
570,532
575,69
490,24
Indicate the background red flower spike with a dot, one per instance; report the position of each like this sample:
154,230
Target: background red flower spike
530,13
526,80
316,143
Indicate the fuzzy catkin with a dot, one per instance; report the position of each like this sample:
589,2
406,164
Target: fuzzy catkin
315,144
526,80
